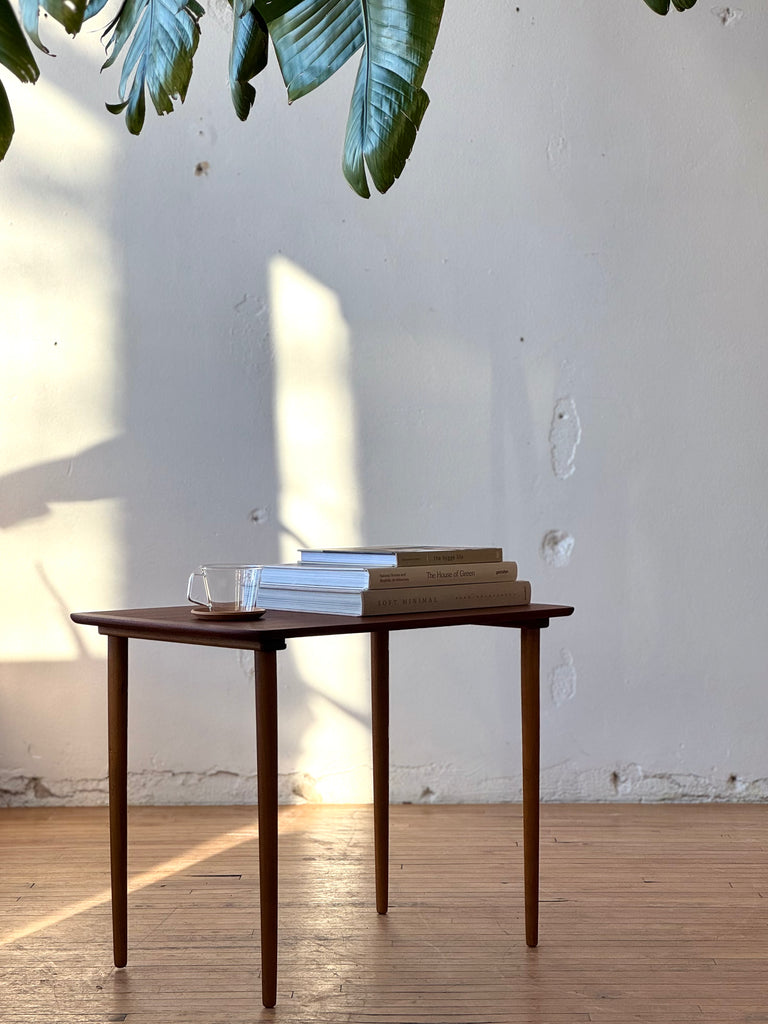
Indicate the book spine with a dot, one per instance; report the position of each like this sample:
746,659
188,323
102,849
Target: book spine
448,556
439,575
441,599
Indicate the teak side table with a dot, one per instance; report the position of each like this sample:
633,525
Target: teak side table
265,637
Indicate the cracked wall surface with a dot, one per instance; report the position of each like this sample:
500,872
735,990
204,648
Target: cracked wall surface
430,783
548,337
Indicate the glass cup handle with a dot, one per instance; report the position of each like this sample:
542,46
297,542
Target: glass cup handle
191,583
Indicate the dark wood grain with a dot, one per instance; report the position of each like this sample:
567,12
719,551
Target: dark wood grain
178,625
531,717
265,637
380,748
266,753
117,714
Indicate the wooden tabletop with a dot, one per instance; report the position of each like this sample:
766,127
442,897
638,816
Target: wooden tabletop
179,625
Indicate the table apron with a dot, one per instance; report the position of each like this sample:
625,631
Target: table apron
276,641
266,643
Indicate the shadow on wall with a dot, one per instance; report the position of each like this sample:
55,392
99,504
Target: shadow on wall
154,410
47,514
142,479
90,475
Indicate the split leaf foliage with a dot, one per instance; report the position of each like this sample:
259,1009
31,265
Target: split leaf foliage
662,6
15,55
163,38
312,39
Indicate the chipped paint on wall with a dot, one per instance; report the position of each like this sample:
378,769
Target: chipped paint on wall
627,255
562,679
558,153
433,783
155,787
631,782
564,437
557,548
728,15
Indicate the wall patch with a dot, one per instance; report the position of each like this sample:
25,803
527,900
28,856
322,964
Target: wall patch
562,679
557,548
564,437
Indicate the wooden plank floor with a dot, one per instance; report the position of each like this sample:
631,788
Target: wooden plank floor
648,913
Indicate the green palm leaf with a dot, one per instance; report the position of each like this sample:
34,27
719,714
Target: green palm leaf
7,126
69,13
388,102
248,54
662,6
165,36
314,38
15,55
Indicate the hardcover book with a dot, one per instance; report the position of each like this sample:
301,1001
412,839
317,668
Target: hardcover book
399,556
343,577
395,599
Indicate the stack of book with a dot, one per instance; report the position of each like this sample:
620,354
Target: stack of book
381,581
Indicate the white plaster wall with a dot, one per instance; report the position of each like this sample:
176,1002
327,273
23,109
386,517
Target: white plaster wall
550,335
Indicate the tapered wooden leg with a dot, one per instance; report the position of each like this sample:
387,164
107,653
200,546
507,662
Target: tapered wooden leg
266,755
529,671
117,712
380,733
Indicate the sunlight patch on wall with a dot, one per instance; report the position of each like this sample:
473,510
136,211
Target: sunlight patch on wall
314,410
318,502
60,538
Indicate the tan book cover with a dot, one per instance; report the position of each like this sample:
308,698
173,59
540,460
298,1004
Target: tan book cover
396,599
399,556
304,574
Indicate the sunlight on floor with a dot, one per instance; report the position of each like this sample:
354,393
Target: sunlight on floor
188,859
289,820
